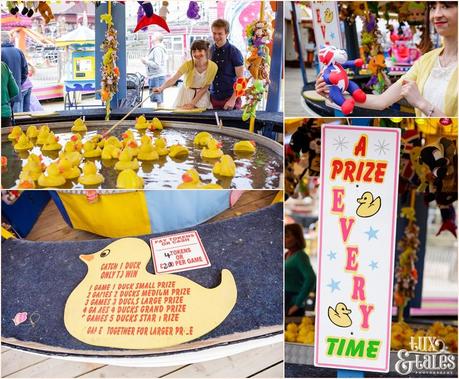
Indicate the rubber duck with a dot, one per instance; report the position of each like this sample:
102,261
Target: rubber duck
225,167
43,133
132,147
98,139
110,151
156,124
26,182
141,123
52,177
51,143
178,151
191,180
128,179
125,162
32,131
79,126
23,143
339,315
222,297
368,206
67,169
77,141
112,140
212,150
33,168
202,138
15,133
91,150
147,152
244,147
161,148
71,153
127,135
90,175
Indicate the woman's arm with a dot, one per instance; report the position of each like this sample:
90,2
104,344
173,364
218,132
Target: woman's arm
199,94
168,83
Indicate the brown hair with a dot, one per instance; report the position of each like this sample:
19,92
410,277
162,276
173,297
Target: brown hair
221,23
200,44
297,231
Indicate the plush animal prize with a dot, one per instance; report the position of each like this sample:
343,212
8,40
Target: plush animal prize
150,18
45,11
335,61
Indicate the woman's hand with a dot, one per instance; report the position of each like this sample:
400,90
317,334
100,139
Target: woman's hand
321,86
157,90
294,308
188,106
411,93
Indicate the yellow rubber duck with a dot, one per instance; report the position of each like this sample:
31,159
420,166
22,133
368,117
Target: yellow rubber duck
52,143
226,166
98,139
156,124
216,303
67,170
128,179
161,148
141,123
244,147
110,151
91,150
133,147
339,315
212,150
26,182
147,152
71,153
32,131
127,135
43,133
79,126
90,175
191,180
15,133
368,206
33,168
112,140
23,143
202,139
125,162
77,141
52,177
178,151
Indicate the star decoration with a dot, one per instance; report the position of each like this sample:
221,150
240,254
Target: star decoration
381,147
332,255
334,286
340,143
373,265
372,233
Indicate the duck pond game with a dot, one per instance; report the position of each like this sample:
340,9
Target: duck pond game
138,154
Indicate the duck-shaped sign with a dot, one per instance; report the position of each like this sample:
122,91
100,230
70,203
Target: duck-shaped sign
340,315
369,205
119,304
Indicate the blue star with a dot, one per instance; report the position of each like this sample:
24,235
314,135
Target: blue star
373,265
372,233
334,286
332,255
332,35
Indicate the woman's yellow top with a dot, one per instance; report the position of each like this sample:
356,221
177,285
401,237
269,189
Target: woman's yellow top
420,73
187,69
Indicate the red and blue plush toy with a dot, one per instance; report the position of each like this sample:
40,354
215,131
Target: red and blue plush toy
335,61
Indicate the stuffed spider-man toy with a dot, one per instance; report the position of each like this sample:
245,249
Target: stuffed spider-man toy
335,61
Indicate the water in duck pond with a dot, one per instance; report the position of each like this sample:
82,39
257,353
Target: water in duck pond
259,170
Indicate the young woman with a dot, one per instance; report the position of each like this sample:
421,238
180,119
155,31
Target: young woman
199,74
430,86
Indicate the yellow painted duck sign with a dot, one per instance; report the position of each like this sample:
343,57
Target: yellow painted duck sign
120,304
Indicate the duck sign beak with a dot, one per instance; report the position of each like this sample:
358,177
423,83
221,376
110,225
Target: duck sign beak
86,257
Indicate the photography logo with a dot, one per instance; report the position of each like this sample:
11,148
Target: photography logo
428,355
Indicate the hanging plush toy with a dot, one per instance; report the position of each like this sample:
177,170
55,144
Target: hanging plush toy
193,10
13,6
163,11
150,18
28,9
335,61
45,11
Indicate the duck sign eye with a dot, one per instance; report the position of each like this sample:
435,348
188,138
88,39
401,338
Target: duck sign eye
104,253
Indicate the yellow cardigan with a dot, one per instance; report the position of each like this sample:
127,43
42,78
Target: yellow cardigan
420,73
187,69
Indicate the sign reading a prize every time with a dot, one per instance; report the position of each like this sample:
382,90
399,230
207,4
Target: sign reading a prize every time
358,211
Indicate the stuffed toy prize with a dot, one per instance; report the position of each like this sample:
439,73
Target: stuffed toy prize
335,61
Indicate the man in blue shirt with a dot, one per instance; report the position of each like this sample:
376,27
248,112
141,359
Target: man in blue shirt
17,63
230,67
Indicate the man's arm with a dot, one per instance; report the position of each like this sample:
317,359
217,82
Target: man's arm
24,68
232,100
